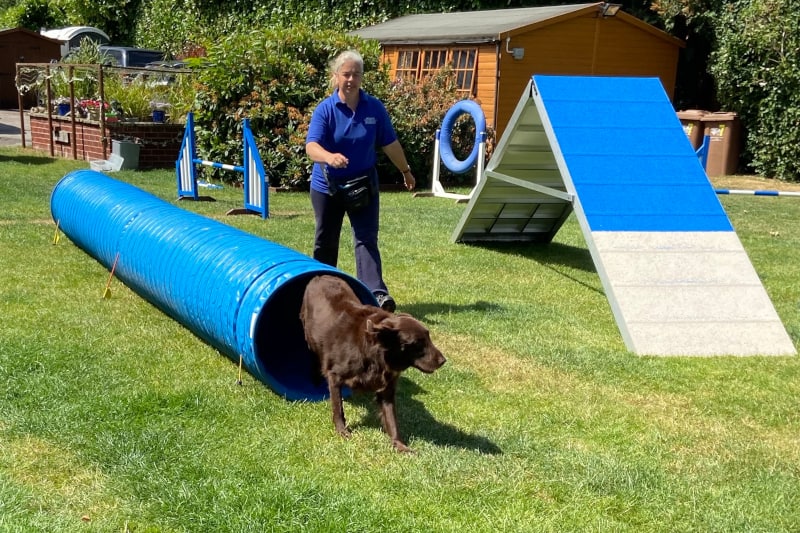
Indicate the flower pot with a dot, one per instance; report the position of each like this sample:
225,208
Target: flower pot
159,115
63,109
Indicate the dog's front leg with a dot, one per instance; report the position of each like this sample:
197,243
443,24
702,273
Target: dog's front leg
336,406
386,401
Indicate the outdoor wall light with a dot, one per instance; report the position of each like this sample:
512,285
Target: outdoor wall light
609,10
516,53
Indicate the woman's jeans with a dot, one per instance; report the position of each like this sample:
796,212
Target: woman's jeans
329,213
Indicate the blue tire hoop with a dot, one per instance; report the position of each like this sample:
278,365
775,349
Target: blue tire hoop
446,150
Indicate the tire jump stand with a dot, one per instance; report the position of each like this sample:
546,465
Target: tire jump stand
443,150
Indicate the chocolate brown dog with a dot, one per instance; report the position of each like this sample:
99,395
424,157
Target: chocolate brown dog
363,347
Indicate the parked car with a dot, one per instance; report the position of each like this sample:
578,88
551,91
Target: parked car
129,56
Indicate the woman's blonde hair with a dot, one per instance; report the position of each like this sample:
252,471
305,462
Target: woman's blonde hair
341,59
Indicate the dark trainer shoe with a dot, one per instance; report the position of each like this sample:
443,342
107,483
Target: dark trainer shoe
386,302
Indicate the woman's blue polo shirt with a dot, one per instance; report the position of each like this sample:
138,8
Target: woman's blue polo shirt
356,135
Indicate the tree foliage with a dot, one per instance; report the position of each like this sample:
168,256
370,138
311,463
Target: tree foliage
757,69
740,56
32,15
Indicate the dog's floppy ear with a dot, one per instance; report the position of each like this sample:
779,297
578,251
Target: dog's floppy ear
386,331
378,328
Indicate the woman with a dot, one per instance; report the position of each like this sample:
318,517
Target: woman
345,130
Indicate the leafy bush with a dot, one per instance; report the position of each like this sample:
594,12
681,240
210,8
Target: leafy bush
168,25
417,110
33,14
132,97
275,79
757,68
271,78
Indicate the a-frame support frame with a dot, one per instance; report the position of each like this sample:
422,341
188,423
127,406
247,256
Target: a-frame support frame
612,150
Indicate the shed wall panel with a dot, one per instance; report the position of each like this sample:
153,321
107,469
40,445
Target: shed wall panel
486,93
576,45
21,46
486,72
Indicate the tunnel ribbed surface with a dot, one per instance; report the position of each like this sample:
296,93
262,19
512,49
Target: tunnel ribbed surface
238,292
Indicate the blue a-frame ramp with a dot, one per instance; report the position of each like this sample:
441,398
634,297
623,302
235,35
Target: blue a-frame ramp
613,151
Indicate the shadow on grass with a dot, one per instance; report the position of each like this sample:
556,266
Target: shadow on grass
416,422
553,253
26,159
555,256
424,311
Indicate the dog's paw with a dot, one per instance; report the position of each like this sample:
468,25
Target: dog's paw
401,447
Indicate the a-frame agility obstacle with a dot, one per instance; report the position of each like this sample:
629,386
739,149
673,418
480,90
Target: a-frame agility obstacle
612,151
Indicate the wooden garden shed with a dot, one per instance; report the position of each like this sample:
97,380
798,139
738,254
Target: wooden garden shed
494,53
19,45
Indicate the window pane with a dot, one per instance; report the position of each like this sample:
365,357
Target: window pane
433,60
415,64
407,65
463,62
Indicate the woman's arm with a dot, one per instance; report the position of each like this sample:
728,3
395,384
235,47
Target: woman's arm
318,154
398,157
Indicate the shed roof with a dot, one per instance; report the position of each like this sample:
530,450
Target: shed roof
468,26
15,31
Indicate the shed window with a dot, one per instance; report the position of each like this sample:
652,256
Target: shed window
433,60
407,65
463,63
415,64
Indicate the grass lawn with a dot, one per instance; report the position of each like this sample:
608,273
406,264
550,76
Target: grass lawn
113,417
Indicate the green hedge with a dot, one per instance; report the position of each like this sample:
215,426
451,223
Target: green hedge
757,68
275,78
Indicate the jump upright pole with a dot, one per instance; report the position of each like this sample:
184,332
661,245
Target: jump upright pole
255,181
238,292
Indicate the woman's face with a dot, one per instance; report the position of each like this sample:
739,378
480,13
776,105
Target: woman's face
348,77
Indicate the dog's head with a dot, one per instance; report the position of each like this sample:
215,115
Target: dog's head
406,343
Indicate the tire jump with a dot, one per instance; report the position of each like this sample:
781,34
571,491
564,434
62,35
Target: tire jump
443,149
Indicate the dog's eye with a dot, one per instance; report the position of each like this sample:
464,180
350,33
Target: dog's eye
416,345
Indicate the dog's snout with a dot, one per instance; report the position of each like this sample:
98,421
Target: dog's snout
432,360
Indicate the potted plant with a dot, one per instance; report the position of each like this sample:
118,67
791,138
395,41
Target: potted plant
159,110
62,105
90,108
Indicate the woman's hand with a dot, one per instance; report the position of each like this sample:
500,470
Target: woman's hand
337,161
408,180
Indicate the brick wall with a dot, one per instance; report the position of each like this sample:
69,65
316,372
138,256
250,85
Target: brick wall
158,143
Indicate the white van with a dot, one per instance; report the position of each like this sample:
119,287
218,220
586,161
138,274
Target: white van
71,36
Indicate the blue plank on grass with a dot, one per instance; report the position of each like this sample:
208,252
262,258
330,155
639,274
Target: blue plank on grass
631,165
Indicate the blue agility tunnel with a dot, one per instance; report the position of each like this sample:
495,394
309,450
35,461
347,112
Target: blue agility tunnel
239,293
